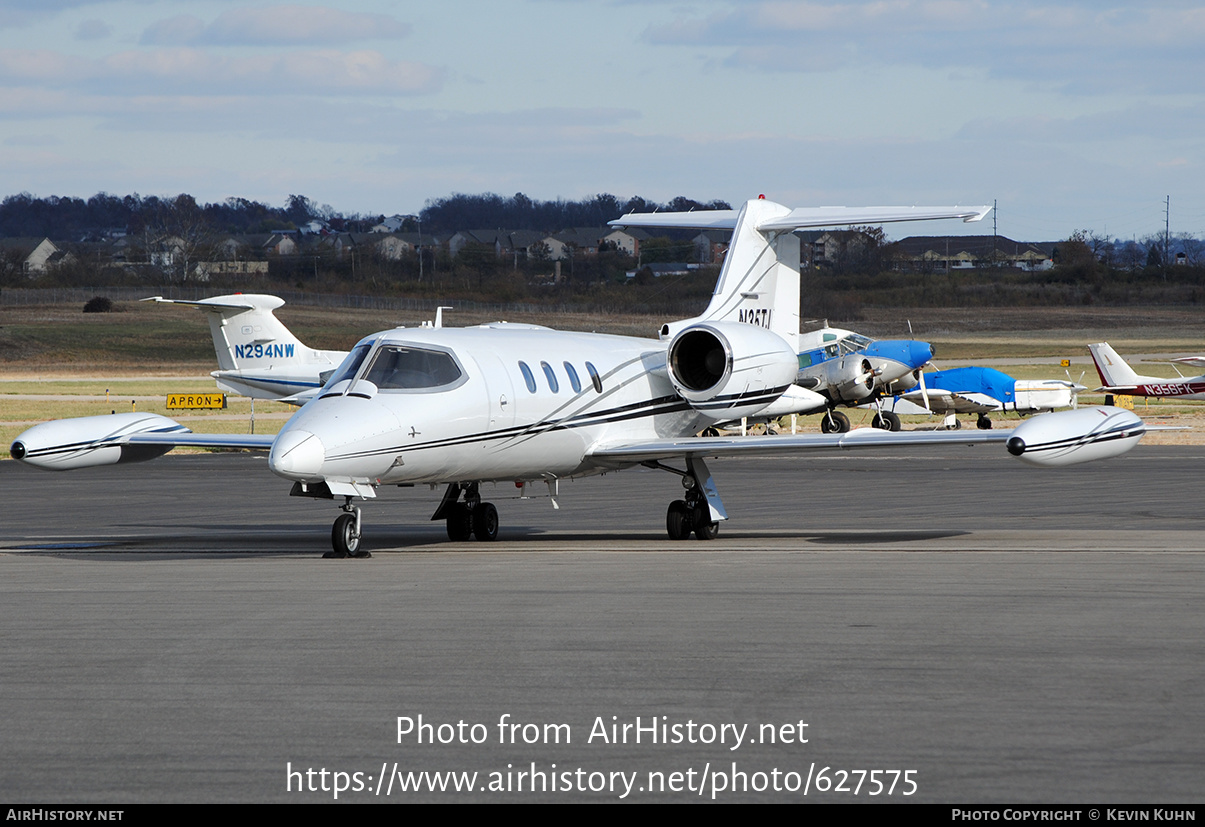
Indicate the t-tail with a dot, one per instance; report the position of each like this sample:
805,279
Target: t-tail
759,281
257,355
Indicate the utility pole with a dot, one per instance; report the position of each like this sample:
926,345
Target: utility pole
994,234
1167,213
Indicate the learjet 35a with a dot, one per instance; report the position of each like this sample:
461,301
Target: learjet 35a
524,405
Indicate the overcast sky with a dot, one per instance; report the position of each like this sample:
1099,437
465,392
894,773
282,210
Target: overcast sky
1070,114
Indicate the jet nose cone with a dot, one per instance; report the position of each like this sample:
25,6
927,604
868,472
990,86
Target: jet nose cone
297,455
17,451
1016,446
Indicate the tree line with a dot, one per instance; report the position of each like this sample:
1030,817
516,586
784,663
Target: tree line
80,219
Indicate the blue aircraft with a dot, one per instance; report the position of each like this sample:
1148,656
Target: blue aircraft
981,391
850,369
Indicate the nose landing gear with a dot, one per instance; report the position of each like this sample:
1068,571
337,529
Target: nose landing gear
345,534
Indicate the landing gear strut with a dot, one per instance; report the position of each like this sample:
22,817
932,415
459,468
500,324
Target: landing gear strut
834,422
699,508
345,533
471,517
886,421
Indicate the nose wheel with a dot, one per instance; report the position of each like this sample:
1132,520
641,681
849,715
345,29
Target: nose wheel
345,534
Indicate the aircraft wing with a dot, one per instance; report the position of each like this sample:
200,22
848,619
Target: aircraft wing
798,219
1195,361
250,442
795,444
944,401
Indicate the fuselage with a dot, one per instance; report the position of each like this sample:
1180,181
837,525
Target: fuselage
982,390
496,402
849,368
1187,389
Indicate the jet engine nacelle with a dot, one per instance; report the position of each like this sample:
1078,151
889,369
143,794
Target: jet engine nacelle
65,444
1072,437
728,369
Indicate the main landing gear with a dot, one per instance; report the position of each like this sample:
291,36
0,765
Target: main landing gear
470,518
700,510
345,533
834,422
886,421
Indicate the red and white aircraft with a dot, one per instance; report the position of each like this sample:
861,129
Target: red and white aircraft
1117,376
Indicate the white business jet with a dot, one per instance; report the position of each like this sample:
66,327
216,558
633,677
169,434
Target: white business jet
458,407
257,355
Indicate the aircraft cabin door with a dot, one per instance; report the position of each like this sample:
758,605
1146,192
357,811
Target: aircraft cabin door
501,393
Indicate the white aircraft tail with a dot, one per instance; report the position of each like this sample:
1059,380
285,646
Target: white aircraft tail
1114,371
246,333
759,281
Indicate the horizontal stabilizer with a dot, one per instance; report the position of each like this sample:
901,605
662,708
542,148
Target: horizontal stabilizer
801,218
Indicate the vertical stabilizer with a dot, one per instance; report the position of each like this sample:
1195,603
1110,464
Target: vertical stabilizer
245,331
759,282
1113,370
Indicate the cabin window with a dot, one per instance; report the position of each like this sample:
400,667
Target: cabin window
527,376
573,380
594,377
550,375
407,368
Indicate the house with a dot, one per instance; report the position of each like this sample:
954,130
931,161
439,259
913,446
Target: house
968,252
44,256
628,240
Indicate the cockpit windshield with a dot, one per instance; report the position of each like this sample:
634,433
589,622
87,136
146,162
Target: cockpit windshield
351,363
855,342
404,367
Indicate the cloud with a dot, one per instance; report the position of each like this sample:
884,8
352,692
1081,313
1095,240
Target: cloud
93,29
174,31
1078,46
1143,120
276,26
192,71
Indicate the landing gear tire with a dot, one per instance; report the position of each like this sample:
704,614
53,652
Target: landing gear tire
344,539
710,432
678,520
704,529
460,523
834,422
983,423
886,421
485,522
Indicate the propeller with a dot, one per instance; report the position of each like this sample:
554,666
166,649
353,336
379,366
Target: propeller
1076,388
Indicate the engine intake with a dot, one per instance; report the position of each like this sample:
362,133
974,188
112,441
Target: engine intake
728,369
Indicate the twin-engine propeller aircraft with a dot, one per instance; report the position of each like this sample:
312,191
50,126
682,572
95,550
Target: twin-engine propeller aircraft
850,369
257,355
1117,376
524,404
